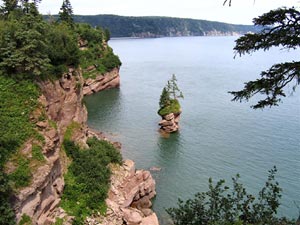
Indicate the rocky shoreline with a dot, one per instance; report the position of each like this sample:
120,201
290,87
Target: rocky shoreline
102,82
61,103
129,197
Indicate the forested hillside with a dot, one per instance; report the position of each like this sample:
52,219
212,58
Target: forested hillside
122,26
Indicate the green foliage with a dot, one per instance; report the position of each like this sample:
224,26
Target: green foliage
7,214
62,47
22,175
164,98
281,27
70,130
173,89
37,153
172,107
106,35
23,46
110,60
25,220
59,221
222,206
93,36
87,179
168,102
17,100
8,7
66,13
95,53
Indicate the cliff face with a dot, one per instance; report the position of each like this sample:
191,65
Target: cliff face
61,101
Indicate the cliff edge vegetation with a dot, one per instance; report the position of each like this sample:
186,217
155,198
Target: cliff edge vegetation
41,62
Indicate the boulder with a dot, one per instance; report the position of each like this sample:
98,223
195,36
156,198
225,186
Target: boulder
150,220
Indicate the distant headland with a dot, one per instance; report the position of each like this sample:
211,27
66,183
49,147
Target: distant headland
151,27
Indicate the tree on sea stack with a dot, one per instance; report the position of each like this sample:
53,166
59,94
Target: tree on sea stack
170,108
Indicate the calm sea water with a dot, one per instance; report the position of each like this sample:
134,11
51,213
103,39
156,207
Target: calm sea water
218,138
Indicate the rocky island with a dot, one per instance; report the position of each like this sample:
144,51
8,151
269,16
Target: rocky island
170,108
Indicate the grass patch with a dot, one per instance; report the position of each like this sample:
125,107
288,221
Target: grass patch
70,130
53,124
22,175
25,220
17,100
37,153
87,179
173,107
59,221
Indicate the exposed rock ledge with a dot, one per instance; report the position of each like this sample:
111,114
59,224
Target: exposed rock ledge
169,122
129,197
102,82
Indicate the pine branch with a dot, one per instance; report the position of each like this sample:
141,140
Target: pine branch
271,84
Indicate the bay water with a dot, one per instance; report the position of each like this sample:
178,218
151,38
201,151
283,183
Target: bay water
217,138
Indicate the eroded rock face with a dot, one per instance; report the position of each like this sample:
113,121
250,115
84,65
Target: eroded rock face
129,197
101,82
62,101
170,122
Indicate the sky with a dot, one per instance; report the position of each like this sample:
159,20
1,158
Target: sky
241,11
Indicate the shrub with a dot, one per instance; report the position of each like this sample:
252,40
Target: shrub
25,220
110,60
21,176
87,179
222,206
173,107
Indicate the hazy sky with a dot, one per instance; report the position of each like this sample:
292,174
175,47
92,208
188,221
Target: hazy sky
241,11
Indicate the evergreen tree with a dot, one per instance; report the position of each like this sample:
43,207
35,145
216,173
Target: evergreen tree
173,89
281,27
66,13
164,98
106,35
8,7
168,102
23,45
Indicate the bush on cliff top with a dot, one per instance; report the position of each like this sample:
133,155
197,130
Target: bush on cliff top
87,179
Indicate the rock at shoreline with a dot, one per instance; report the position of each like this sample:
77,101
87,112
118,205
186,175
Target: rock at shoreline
129,197
102,82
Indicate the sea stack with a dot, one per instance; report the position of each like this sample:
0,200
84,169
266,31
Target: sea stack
170,108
